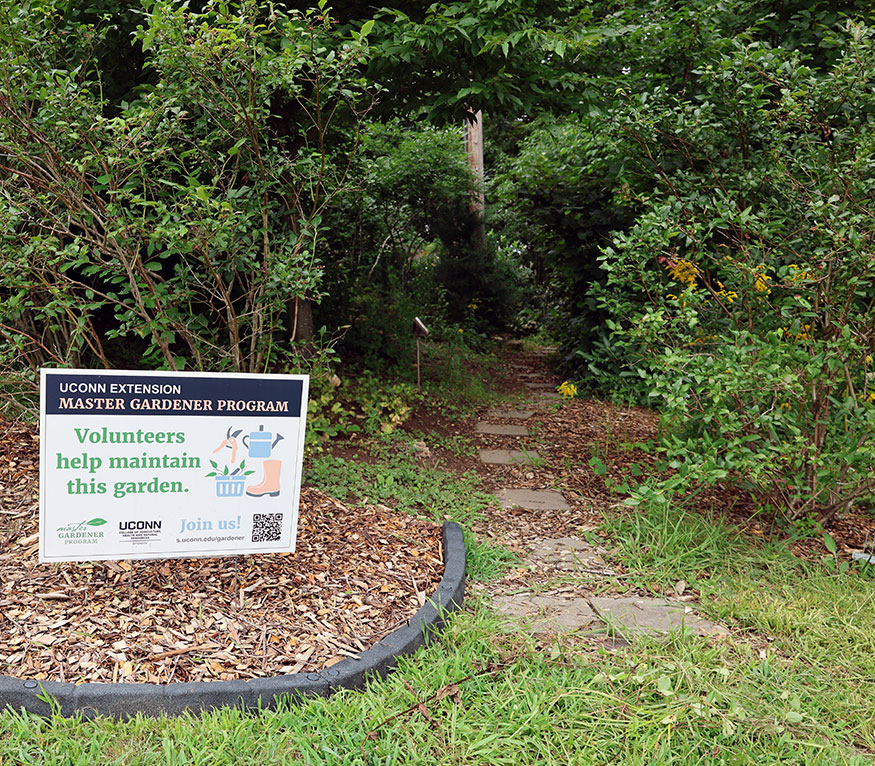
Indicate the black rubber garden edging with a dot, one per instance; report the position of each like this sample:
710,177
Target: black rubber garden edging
125,700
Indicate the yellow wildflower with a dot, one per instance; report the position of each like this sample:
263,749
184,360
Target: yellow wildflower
684,271
761,283
568,390
798,274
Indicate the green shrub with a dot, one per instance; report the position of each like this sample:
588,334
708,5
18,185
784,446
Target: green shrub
756,259
177,228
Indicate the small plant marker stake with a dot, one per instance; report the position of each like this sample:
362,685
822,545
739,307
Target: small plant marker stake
419,331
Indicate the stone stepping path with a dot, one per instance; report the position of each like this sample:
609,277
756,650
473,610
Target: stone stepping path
499,429
568,554
512,414
533,499
548,614
561,613
653,616
565,609
508,457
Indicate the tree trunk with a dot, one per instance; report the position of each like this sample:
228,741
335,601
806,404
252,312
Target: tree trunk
302,320
474,144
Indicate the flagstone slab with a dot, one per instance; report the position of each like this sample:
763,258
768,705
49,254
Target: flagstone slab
499,429
507,456
547,613
512,414
541,386
653,616
566,553
533,499
551,395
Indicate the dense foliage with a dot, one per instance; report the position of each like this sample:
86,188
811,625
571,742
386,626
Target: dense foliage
757,329
179,226
705,234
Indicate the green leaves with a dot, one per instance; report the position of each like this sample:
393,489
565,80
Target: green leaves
188,220
738,293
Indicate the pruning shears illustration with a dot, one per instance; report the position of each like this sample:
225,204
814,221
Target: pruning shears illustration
231,443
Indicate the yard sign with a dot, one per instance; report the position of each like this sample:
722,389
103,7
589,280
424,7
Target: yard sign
140,465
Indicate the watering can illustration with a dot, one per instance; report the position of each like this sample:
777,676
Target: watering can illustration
261,443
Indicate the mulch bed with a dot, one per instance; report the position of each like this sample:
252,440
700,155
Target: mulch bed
358,574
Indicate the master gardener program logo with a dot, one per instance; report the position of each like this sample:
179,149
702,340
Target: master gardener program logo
82,532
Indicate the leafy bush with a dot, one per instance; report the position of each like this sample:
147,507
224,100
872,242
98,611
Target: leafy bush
755,255
401,244
178,228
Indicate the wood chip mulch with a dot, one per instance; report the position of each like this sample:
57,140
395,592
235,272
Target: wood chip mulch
358,574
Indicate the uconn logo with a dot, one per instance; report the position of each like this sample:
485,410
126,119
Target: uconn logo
132,525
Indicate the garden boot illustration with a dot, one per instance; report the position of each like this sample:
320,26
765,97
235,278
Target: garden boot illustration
270,484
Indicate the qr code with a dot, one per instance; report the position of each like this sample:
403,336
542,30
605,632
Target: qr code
266,527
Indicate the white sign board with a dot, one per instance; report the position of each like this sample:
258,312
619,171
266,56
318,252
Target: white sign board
141,465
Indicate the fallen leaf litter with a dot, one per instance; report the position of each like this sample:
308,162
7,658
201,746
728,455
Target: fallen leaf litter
359,573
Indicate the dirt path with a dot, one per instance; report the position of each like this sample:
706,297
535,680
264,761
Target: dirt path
534,455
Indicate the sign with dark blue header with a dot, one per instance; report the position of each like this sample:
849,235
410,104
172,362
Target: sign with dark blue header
193,395
161,465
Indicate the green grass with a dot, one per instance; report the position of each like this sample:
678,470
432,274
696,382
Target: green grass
803,615
679,701
485,561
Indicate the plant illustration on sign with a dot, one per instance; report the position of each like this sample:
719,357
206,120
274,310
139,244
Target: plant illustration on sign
229,483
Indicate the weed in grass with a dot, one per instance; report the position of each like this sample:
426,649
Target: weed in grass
663,543
535,459
486,561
